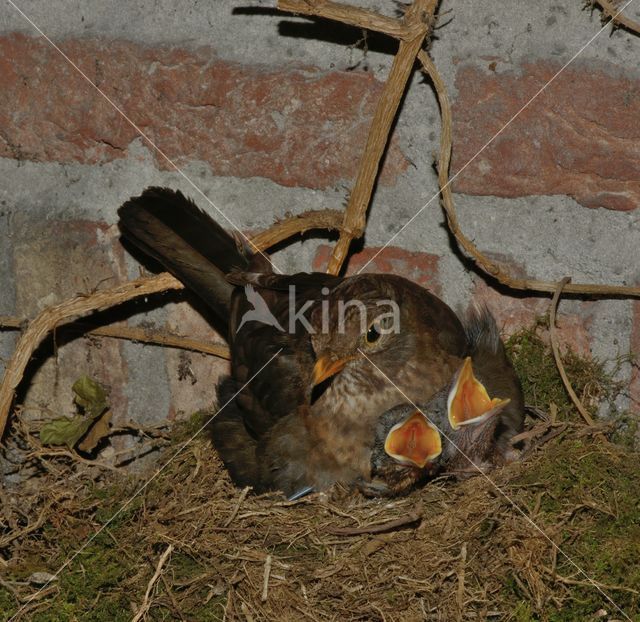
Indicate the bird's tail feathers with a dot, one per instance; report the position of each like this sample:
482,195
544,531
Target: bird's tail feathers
187,242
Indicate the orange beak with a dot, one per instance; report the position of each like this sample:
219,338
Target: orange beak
326,367
415,441
469,401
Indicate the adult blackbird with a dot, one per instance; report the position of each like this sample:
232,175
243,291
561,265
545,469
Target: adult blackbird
303,391
467,426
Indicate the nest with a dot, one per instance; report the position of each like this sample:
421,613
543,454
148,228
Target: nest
190,546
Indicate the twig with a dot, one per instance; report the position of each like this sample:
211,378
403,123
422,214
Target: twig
146,603
409,519
44,453
294,225
492,268
65,312
172,598
246,612
14,535
143,335
590,583
265,579
421,14
8,322
556,352
234,512
617,17
461,580
352,16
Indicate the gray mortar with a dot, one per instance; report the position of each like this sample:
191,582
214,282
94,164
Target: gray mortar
7,285
551,236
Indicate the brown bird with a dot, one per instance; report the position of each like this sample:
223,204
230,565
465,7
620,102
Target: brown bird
461,429
303,394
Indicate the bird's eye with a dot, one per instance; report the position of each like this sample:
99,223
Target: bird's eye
373,334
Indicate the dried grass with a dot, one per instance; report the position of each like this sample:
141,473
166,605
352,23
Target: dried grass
473,556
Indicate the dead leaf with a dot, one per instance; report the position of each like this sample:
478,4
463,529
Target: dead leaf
99,430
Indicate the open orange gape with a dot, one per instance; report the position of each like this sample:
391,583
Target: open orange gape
469,401
415,441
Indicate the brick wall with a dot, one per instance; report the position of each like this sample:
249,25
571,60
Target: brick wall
268,115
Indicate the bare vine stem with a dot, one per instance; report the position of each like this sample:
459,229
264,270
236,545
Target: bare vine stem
488,266
620,19
553,337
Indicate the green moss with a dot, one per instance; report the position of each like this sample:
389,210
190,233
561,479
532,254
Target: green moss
523,613
213,611
182,431
541,381
91,589
590,504
7,604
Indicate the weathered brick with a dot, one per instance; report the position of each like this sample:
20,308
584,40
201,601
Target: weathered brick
192,377
514,313
580,137
54,261
422,268
296,126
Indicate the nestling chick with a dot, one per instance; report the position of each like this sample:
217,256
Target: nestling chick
455,429
461,428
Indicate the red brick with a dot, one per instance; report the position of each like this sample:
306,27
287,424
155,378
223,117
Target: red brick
580,137
296,126
421,268
192,377
54,261
513,314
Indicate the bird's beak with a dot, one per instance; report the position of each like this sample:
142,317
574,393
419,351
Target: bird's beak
326,367
415,441
469,402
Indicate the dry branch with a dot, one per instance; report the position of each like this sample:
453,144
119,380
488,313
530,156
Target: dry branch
65,312
482,261
404,521
265,579
161,338
617,16
352,16
419,13
294,225
143,335
146,603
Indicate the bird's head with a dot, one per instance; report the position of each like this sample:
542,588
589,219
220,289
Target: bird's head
406,450
458,420
472,415
363,321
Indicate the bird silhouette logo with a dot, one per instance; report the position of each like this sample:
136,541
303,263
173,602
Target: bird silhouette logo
260,312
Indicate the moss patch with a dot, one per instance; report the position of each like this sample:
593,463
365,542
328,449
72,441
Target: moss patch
541,382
